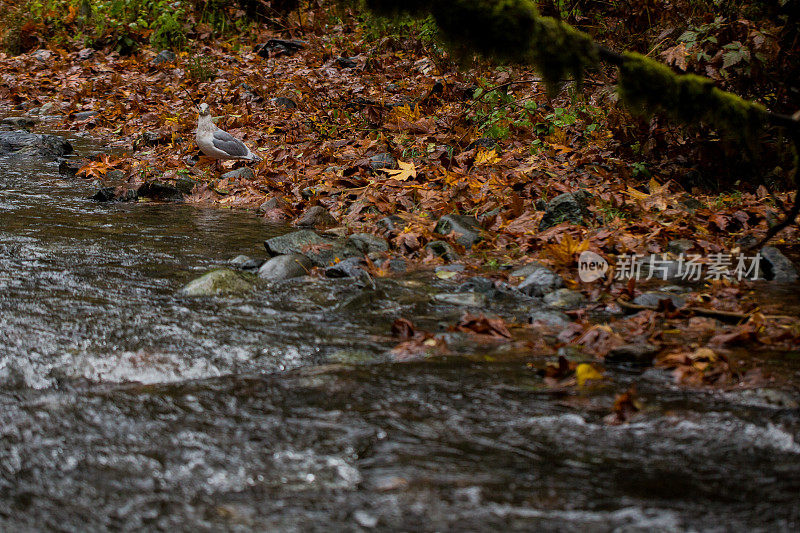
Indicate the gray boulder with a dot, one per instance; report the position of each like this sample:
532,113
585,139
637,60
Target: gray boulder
283,267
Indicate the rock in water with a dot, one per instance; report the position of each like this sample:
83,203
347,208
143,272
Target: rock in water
285,267
22,143
217,283
776,266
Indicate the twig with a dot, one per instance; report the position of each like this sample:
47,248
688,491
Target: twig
722,315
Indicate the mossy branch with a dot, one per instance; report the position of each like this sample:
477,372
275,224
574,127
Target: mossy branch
513,30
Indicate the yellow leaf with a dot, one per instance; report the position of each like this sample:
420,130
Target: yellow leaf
564,252
586,372
406,112
405,172
486,157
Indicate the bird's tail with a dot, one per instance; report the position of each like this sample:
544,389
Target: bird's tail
254,158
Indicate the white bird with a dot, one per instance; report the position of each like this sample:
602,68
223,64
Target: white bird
219,144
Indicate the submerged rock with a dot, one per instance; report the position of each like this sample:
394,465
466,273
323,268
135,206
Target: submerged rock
466,299
217,283
283,267
25,144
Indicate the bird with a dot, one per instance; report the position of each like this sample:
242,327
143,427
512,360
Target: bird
219,144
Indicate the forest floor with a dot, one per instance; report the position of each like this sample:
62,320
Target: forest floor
370,126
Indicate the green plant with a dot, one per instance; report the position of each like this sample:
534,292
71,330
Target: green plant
201,69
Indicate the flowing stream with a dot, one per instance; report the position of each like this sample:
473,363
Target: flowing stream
124,406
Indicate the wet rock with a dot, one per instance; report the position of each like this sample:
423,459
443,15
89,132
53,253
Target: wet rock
346,62
567,207
367,243
652,298
48,108
115,194
271,204
776,266
321,251
25,123
84,115
379,161
483,142
691,203
657,267
349,268
527,270
398,265
217,283
164,56
640,354
477,284
114,175
556,319
467,229
160,191
540,281
277,47
564,299
442,249
286,103
285,267
244,262
316,217
25,144
244,173
391,223
185,184
42,55
679,246
365,519
465,299
68,167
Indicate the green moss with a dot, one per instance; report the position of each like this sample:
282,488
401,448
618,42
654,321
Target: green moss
649,87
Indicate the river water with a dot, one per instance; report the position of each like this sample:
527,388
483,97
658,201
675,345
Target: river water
124,406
